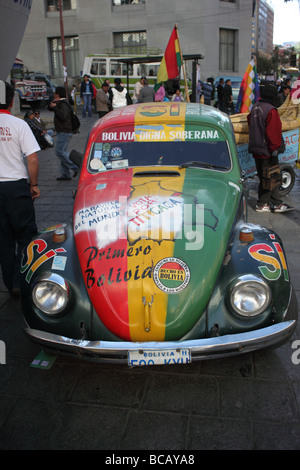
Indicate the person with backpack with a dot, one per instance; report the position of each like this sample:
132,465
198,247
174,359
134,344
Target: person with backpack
265,144
64,130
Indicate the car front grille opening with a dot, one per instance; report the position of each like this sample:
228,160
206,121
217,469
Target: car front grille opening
146,174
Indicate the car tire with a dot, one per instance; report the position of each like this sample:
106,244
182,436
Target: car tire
288,179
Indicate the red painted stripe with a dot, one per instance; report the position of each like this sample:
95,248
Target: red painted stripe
103,262
171,56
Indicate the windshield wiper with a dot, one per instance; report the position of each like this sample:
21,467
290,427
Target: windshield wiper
203,165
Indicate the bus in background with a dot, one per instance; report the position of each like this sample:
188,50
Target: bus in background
111,65
102,66
291,72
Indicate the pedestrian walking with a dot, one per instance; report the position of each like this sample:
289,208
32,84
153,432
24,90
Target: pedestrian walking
207,89
220,95
86,93
228,97
63,127
102,100
147,93
265,143
18,188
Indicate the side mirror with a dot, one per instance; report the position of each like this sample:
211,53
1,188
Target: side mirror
76,157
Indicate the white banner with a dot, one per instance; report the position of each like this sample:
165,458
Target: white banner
295,92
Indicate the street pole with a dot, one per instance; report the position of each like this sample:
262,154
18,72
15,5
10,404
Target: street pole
63,48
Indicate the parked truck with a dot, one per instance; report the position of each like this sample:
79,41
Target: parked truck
31,92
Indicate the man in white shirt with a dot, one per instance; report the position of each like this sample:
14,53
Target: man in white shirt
137,90
18,188
119,94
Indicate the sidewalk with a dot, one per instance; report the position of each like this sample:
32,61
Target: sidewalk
246,402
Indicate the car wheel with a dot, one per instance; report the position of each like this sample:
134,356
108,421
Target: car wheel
288,179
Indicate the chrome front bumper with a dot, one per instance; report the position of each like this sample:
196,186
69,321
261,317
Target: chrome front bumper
208,348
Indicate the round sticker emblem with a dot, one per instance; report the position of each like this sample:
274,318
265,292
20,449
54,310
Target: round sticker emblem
171,275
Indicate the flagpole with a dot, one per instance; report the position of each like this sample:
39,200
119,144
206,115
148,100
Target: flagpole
183,68
62,34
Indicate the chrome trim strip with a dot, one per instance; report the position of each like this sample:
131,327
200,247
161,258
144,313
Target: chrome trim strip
109,351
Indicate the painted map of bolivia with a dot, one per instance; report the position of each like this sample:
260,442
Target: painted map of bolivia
157,216
153,217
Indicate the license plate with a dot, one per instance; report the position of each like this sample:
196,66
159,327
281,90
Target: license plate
149,357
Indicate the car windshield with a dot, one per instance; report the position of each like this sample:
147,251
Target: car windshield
115,155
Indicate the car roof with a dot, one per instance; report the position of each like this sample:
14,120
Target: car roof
174,113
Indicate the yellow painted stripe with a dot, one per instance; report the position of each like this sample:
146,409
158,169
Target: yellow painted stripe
169,117
162,75
152,311
164,112
147,304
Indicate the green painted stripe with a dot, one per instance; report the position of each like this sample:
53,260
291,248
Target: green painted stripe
218,201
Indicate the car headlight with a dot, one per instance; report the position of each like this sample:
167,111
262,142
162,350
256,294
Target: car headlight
50,294
250,295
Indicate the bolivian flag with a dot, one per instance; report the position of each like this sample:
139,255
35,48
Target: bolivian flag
171,62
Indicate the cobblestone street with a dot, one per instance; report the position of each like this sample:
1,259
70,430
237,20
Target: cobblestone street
246,402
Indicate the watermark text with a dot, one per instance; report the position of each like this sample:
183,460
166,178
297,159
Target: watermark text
2,353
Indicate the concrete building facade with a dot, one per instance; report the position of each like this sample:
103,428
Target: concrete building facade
263,27
220,30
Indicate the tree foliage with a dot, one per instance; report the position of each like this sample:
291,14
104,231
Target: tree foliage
279,59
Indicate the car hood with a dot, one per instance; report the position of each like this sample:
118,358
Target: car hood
151,246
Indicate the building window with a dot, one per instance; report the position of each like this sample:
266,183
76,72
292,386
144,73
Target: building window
132,42
53,5
227,49
98,67
127,2
72,56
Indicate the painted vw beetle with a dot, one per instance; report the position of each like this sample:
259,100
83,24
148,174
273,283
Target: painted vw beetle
159,266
